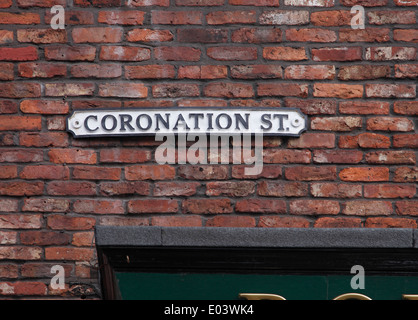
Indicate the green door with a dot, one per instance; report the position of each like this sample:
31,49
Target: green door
222,286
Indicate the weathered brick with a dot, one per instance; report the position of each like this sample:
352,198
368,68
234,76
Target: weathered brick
271,221
337,54
71,188
406,107
364,35
68,253
99,206
390,91
96,71
232,53
390,53
311,35
150,172
336,123
202,72
333,18
46,205
373,140
390,223
367,208
231,17
280,189
20,123
228,90
311,173
282,89
149,35
405,141
41,70
405,174
20,90
96,173
342,91
336,190
230,188
231,221
177,53
337,156
314,207
286,156
312,106
70,53
261,206
176,17
256,35
389,191
390,124
121,17
391,17
284,53
391,157
44,238
326,222
128,90
69,89
176,221
23,221
364,107
363,72
97,35
42,36
284,17
407,208
365,174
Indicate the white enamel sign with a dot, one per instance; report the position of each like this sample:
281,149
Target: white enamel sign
228,121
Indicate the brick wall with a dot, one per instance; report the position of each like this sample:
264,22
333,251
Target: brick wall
354,167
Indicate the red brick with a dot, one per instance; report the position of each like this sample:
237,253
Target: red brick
389,191
312,140
176,221
336,123
150,72
407,208
21,155
312,106
67,253
306,72
45,172
407,3
124,188
282,89
148,3
326,222
267,3
69,89
40,3
391,157
336,190
256,35
124,53
42,238
97,35
261,206
75,53
364,3
20,90
309,3
365,174
232,53
96,71
406,71
228,90
390,124
406,107
390,91
6,3
46,205
177,54
20,253
364,35
311,35
22,221
9,270
6,71
405,174
333,18
6,36
231,221
72,156
405,35
71,188
18,54
41,70
199,35
268,172
231,17
390,53
207,206
311,173
337,54
367,208
19,18
176,17
230,188
284,17
284,53
8,106
152,206
391,17
42,36
205,172
202,72
364,107
60,222
405,141
314,207
175,90
149,35
99,206
121,17
342,91
8,172
127,90
175,188
124,155
363,72
43,139
205,3
282,189
96,173
150,172
390,223
286,156
282,222
337,156
20,123
72,17
373,140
